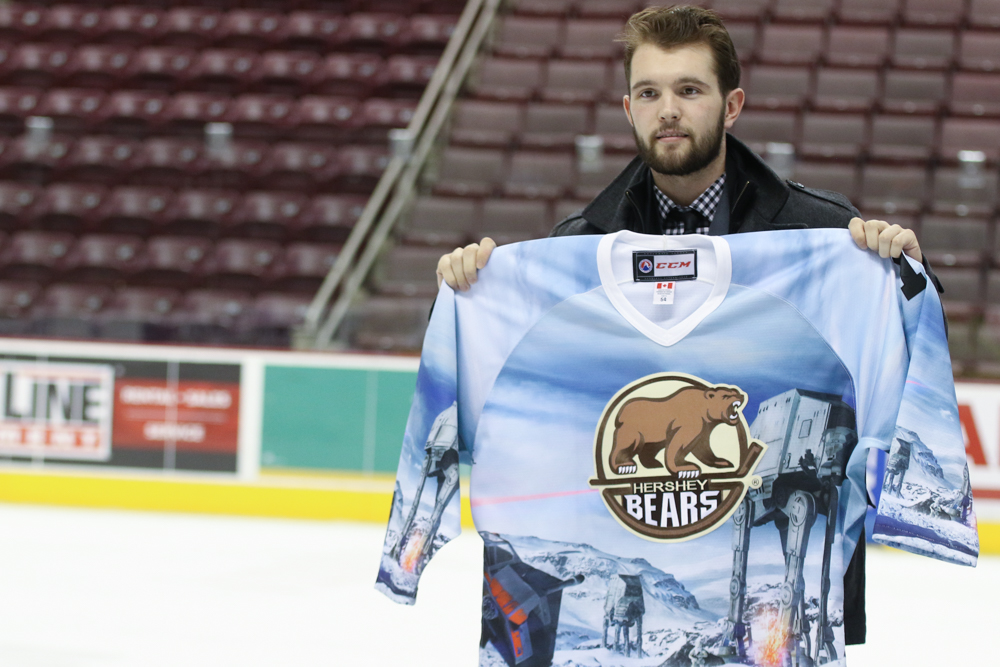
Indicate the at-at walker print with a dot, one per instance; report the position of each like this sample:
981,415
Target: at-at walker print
623,609
810,436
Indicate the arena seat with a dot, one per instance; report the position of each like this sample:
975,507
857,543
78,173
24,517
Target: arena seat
548,125
166,162
947,13
227,71
836,177
857,46
951,241
330,218
260,116
236,166
984,13
405,76
964,298
17,104
191,27
104,259
470,172
207,315
166,68
485,124
758,128
790,44
361,167
850,90
902,138
555,8
442,221
303,267
132,25
979,50
590,183
73,24
974,94
311,31
288,72
511,220
137,314
389,323
72,110
917,48
975,134
741,9
881,12
773,87
407,271
833,136
575,82
591,39
956,193
36,65
135,210
99,159
16,299
172,261
271,316
100,66
529,37
612,125
890,189
507,79
429,33
187,113
239,264
538,175
349,74
913,92
24,159
265,215
34,255
20,22
744,36
133,113
302,167
68,310
200,212
68,207
808,11
250,29
16,203
374,31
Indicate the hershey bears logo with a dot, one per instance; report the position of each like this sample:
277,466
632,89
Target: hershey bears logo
674,457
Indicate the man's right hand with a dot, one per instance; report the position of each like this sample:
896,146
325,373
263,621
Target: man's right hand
459,267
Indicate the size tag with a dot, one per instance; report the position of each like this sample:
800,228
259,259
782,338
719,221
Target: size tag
659,265
664,293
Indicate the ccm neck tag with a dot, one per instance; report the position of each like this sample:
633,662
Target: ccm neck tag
657,265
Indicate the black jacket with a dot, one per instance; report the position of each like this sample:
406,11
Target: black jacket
758,200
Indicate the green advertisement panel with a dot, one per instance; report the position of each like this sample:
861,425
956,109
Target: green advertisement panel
334,418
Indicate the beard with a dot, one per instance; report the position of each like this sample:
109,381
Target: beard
702,151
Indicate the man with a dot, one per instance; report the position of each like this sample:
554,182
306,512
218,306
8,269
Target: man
691,176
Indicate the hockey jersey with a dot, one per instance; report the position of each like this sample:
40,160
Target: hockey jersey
668,439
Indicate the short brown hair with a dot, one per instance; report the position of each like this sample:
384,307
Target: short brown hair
683,25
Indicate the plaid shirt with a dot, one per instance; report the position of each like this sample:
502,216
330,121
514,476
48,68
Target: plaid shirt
706,203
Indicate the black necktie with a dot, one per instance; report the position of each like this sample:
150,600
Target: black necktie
687,219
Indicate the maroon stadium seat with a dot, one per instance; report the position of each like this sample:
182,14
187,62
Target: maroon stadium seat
239,263
34,255
429,33
69,207
590,183
770,87
549,125
16,299
857,46
209,315
250,29
571,81
882,12
790,44
134,210
485,123
164,68
741,9
974,134
842,178
470,172
913,92
540,175
191,27
102,66
758,128
963,296
137,314
37,65
543,7
377,116
103,258
167,162
846,89
529,37
265,215
744,36
388,323
16,104
272,316
374,31
263,117
303,267
611,123
20,22
405,76
329,218
16,203
956,193
407,271
979,50
303,167
984,13
511,220
349,74
951,241
68,310
934,12
311,31
134,113
836,136
97,159
974,94
361,167
72,24
902,138
72,110
235,167
918,48
200,212
288,72
226,71
24,159
809,11
187,113
442,221
132,25
613,9
327,119
893,189
507,79
171,261
591,38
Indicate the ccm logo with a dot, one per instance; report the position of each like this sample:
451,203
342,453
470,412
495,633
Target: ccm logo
673,265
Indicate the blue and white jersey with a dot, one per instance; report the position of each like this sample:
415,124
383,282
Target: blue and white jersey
668,438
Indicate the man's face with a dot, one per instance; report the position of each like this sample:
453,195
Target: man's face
678,114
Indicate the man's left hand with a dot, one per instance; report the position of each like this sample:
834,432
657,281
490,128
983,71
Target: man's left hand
885,239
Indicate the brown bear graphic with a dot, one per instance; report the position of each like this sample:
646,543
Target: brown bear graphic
680,423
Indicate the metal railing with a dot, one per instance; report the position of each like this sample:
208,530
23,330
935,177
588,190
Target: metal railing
399,180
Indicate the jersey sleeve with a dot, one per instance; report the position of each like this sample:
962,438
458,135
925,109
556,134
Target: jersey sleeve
925,504
425,511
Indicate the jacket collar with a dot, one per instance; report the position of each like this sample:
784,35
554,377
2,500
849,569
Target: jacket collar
756,195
